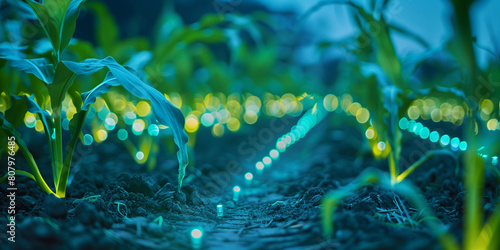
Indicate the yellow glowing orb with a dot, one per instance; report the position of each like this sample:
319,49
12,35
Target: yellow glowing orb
142,109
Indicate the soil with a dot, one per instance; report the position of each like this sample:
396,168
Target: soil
280,209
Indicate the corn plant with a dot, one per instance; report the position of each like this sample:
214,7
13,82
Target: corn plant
377,67
58,20
476,234
406,190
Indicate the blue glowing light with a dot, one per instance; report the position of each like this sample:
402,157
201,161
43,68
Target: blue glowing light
417,128
455,142
129,118
259,165
65,124
403,123
411,124
424,133
139,155
196,233
445,140
267,160
122,134
434,136
249,176
463,145
103,113
274,154
153,130
88,139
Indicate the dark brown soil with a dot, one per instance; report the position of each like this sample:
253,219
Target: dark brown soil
279,210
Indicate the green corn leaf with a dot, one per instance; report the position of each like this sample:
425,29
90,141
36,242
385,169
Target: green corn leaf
9,130
391,104
42,47
82,49
18,172
42,74
139,60
63,80
15,115
76,125
165,112
107,32
58,20
39,67
490,229
369,69
386,54
21,104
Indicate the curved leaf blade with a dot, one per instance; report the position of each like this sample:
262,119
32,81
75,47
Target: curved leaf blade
18,172
164,111
9,129
107,32
15,116
58,20
40,67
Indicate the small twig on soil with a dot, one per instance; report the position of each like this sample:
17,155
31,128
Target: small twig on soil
249,227
118,208
276,203
289,224
298,225
405,211
89,198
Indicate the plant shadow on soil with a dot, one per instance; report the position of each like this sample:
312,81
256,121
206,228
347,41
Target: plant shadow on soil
279,210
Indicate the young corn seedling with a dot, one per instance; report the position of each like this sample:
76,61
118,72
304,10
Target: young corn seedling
377,67
376,177
381,70
58,20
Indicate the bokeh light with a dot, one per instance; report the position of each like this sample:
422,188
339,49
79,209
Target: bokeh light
143,109
138,126
122,134
192,124
218,130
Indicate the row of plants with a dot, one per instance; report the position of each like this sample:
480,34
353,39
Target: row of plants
402,92
53,79
64,88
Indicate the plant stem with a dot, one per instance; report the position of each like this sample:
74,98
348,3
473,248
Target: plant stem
414,166
33,167
58,149
393,167
64,174
473,180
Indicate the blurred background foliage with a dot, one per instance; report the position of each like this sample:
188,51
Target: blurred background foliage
226,64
